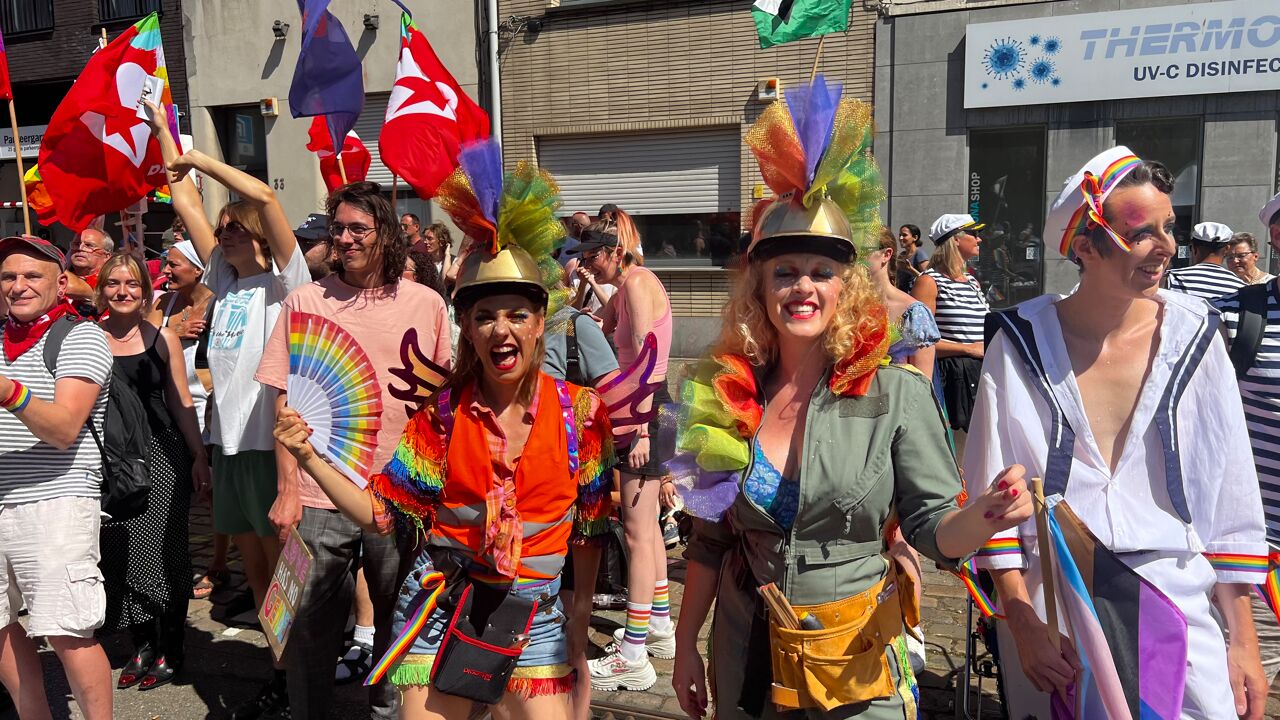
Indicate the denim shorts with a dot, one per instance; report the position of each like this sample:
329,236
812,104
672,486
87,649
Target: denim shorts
543,667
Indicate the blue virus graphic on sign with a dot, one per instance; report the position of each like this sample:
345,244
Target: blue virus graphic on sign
1004,58
1010,59
1041,71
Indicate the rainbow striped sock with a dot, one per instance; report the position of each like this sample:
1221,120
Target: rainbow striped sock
660,620
637,631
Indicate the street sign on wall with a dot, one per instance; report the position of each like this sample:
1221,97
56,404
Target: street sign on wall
1171,51
31,136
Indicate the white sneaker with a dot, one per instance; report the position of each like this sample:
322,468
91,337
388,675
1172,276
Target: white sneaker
614,672
659,645
915,649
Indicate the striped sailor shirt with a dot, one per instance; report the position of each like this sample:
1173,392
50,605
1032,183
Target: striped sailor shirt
961,308
1206,280
1260,392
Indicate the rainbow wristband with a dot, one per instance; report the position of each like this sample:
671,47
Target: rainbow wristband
18,399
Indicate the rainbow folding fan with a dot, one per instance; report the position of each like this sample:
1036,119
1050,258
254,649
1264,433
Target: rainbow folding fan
334,387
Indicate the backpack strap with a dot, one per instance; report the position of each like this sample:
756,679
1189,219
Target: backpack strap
1251,328
54,337
1062,438
1167,411
572,354
570,424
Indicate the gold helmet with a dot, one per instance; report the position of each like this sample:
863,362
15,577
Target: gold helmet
511,271
787,226
510,223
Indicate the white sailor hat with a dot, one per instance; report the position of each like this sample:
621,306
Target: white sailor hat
946,227
1270,210
1069,214
1212,233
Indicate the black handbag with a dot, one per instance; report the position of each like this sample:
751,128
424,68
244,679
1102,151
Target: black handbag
488,629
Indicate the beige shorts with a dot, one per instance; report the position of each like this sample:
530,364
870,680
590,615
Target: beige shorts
49,563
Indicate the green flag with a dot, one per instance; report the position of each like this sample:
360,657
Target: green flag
799,19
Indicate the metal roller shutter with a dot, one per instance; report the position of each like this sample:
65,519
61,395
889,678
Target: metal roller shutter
369,127
667,173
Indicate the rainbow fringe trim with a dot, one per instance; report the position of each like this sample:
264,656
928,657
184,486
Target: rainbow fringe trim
412,629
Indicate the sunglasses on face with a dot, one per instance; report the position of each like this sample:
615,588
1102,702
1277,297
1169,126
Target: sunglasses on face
359,232
231,227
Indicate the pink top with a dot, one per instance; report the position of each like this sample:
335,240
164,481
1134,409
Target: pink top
661,328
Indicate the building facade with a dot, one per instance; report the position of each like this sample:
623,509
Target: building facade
48,43
645,105
239,54
988,107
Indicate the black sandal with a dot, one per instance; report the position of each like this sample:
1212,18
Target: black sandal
138,666
354,664
161,673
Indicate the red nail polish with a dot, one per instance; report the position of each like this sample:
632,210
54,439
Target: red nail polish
989,515
1013,493
1004,485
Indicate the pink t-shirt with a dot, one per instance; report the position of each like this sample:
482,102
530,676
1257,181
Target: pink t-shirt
622,331
393,324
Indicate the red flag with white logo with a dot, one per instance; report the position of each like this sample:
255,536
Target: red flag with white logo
429,118
98,156
355,156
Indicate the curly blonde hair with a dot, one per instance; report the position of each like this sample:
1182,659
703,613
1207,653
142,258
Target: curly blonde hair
747,331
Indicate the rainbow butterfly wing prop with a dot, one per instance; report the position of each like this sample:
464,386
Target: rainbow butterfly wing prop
334,387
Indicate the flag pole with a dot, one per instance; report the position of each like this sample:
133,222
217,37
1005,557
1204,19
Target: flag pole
17,154
1046,563
813,73
342,169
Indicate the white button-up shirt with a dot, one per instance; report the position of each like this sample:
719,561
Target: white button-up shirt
1128,510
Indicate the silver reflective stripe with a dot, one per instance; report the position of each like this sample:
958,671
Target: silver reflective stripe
533,528
544,564
461,515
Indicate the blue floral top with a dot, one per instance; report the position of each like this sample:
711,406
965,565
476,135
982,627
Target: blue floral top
770,491
918,329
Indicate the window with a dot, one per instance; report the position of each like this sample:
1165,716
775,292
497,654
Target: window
681,188
244,140
1006,192
26,16
1176,143
115,10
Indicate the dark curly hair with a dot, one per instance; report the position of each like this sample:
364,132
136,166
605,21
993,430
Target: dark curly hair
367,197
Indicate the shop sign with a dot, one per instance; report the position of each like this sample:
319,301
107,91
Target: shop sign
1172,51
31,136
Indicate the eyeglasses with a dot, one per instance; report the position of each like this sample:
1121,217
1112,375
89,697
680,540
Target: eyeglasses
1241,256
405,226
590,257
87,247
359,232
232,227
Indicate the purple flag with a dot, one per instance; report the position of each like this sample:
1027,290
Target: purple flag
328,80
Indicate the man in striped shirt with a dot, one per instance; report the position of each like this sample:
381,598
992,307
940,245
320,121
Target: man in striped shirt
1206,277
1259,377
50,485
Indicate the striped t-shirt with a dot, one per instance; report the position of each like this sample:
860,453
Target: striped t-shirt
31,469
961,308
1206,280
1260,392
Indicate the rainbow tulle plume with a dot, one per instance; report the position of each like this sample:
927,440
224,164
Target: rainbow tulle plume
334,387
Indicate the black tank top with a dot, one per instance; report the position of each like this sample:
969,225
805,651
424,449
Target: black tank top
146,373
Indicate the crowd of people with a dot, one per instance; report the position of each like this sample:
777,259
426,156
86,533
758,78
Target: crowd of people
523,375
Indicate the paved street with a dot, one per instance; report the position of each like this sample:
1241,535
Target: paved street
226,662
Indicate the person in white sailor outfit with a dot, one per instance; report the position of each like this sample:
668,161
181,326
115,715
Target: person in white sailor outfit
1122,398
1207,277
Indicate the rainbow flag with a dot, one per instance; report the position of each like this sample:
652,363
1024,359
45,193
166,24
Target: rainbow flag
1269,591
1130,637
